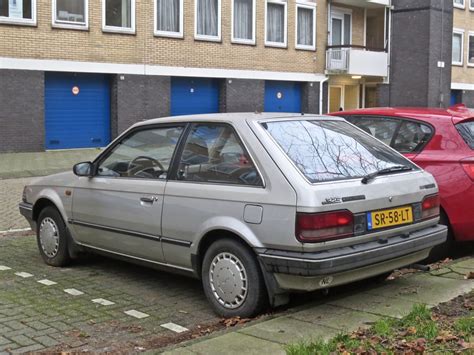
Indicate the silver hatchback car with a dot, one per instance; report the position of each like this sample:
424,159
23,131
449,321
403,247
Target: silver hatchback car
255,205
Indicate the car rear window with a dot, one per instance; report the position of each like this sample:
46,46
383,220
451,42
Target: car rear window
466,130
332,150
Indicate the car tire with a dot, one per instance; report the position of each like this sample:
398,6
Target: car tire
232,280
52,238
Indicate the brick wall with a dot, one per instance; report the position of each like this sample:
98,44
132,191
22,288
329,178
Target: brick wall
46,42
463,19
22,111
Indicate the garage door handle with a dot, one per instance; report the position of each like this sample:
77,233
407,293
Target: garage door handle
150,200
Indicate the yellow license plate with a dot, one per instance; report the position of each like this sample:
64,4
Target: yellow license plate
388,218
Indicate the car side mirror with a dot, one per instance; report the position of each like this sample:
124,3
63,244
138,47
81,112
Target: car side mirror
83,169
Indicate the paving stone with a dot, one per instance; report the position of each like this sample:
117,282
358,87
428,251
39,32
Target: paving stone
73,292
136,314
178,351
46,341
175,327
336,317
467,263
236,343
23,274
22,340
27,349
374,304
4,340
286,330
47,282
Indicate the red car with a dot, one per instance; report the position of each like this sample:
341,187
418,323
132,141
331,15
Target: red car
441,141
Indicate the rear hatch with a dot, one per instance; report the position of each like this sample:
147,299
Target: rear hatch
345,175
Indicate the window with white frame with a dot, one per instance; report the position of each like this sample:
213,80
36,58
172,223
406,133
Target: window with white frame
341,27
458,3
18,11
458,39
208,19
169,18
470,49
471,5
275,23
243,21
118,15
306,26
70,13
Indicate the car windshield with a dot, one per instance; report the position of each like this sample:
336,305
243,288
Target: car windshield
466,130
332,150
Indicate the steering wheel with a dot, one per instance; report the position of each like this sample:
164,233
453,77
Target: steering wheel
140,164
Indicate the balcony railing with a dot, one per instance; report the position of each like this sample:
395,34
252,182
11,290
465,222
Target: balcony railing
356,60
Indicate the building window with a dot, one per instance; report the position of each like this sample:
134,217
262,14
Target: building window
243,21
471,5
275,23
458,39
70,13
341,27
118,16
459,3
22,12
470,49
306,26
169,18
208,20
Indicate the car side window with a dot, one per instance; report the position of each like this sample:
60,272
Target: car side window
213,153
381,128
144,154
412,137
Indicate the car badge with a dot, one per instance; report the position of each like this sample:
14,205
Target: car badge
390,199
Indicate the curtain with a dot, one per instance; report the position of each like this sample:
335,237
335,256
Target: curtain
207,17
457,47
243,19
167,15
305,26
275,23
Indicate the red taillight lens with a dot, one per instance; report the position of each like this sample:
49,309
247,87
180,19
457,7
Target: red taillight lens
469,169
430,207
320,227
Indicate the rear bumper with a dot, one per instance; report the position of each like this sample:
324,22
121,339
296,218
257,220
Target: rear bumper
345,259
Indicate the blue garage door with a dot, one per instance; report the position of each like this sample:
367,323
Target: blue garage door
191,96
282,96
77,110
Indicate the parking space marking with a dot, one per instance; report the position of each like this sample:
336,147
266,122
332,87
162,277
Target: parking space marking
73,292
15,230
47,282
103,302
4,268
174,327
136,314
23,274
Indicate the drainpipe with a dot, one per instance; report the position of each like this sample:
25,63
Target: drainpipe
321,94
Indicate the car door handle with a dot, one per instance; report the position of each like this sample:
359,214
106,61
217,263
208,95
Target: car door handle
150,200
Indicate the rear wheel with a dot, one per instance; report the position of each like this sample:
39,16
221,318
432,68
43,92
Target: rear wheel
51,235
232,280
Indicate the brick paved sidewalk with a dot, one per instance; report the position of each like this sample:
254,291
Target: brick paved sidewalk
38,315
343,313
15,165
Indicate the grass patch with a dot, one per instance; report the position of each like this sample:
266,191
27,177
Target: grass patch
422,330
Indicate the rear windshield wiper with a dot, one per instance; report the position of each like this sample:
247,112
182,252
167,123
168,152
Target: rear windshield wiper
392,169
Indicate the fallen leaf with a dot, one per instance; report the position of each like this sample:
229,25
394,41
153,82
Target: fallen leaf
469,275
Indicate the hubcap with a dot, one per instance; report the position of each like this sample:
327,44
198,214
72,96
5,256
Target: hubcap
228,279
49,237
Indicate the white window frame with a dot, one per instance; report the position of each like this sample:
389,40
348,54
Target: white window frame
469,34
219,23
463,6
254,24
115,29
338,13
460,32
285,24
471,5
310,6
84,26
22,22
179,34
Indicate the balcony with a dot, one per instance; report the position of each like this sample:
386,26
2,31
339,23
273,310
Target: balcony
364,3
356,60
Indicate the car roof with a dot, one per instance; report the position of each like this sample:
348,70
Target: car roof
234,117
456,113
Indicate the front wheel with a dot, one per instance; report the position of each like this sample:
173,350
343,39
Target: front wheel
232,280
51,235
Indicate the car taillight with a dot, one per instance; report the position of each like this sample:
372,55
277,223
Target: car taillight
321,227
468,169
430,207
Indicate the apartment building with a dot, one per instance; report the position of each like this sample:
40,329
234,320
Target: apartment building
76,73
462,85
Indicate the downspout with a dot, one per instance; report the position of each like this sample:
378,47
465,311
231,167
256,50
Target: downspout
321,95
